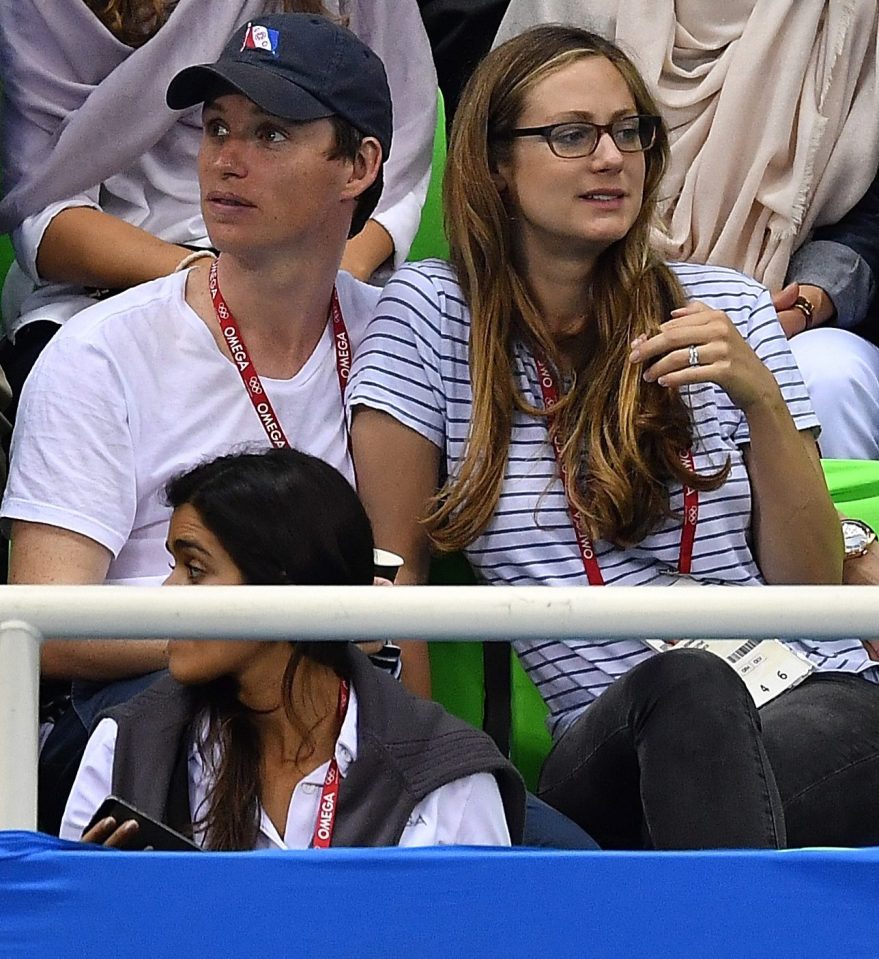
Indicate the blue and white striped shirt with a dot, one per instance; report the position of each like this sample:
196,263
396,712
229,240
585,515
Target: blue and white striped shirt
414,365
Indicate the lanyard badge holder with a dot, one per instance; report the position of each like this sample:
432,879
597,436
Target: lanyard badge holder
767,667
256,393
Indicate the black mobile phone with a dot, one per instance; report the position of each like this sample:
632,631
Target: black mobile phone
151,834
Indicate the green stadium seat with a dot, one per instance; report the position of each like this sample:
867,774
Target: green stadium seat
854,486
456,668
6,258
430,240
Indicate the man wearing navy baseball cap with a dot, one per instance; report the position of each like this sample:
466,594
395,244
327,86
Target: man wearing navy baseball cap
299,67
252,347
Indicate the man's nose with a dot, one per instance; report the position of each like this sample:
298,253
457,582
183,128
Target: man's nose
229,158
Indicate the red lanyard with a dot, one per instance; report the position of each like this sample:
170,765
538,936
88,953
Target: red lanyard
250,378
329,796
584,542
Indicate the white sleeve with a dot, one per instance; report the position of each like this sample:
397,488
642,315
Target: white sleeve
34,70
94,780
395,31
466,812
28,235
72,463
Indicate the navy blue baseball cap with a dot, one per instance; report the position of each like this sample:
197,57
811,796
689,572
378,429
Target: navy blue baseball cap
300,67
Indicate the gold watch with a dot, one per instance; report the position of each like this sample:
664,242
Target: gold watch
857,536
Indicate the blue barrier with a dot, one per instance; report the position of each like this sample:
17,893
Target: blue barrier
60,899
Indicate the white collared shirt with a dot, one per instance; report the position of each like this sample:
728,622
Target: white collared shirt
466,812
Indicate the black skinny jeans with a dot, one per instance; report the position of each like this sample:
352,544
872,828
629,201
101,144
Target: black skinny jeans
674,755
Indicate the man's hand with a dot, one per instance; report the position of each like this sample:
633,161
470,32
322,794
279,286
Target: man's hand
793,319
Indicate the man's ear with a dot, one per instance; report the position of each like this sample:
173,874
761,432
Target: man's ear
364,169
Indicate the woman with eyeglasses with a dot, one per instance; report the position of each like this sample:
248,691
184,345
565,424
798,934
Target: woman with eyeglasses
780,185
568,409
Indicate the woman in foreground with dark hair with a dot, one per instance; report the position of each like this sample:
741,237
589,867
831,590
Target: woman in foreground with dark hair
569,409
267,728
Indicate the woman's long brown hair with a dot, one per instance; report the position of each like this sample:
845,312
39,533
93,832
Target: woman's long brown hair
133,22
229,746
621,438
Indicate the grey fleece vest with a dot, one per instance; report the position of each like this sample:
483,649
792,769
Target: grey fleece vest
406,748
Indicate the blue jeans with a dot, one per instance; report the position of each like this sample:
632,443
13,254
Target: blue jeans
62,752
547,828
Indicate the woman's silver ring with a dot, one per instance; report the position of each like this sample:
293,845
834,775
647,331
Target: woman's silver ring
694,356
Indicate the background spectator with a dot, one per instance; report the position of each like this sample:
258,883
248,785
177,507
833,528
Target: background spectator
838,270
461,33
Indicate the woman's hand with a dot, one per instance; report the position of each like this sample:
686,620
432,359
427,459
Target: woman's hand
701,345
107,833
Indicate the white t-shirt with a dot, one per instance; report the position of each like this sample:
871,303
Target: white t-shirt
414,365
135,390
467,811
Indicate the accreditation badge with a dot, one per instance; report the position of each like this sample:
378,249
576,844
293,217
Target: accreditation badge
767,667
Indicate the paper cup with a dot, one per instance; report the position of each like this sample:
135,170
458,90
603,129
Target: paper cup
386,563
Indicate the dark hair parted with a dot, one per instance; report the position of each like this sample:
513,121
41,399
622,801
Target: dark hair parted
134,22
621,438
284,518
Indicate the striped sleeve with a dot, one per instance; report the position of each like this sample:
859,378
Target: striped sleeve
398,367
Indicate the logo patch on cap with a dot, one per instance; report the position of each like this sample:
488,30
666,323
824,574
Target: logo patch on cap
259,37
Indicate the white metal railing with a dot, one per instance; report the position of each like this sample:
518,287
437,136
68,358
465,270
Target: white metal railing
363,613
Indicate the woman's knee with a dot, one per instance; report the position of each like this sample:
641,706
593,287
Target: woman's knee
691,678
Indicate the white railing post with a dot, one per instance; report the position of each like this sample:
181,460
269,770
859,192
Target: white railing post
19,724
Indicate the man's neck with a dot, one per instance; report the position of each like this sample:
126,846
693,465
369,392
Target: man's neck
281,309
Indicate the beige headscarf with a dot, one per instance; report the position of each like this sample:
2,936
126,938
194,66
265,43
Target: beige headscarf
773,108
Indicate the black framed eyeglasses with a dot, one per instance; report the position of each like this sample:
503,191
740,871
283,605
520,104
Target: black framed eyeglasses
580,138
